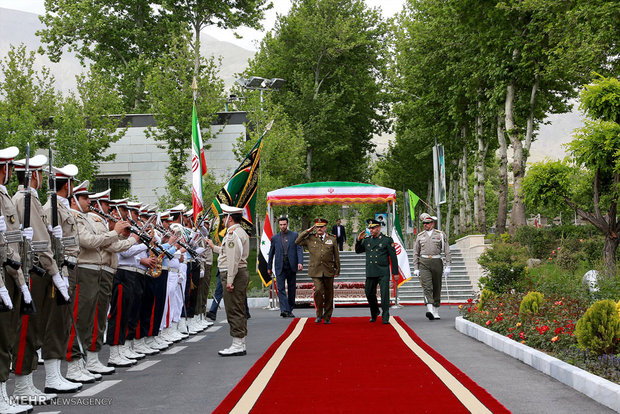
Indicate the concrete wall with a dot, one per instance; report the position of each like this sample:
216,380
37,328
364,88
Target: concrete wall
144,163
471,248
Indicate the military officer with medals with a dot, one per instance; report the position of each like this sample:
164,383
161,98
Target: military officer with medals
380,257
427,263
233,267
324,266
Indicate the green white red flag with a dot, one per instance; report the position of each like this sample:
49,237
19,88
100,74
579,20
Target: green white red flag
199,166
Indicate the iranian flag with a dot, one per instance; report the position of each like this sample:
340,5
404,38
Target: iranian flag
404,271
199,166
263,256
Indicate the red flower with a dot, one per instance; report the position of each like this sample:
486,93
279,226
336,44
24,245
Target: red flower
521,335
510,336
499,318
470,300
488,322
555,338
558,330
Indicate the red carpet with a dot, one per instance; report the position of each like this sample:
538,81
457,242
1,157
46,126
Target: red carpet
353,366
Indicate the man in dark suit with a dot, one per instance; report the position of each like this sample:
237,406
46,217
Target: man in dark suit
289,259
340,233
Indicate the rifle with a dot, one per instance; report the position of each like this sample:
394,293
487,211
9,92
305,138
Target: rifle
26,247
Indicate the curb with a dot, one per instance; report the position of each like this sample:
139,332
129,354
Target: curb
595,387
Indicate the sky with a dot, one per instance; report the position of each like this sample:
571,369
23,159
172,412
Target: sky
251,38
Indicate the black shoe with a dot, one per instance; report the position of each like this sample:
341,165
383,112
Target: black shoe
373,318
430,316
290,314
386,321
326,321
284,314
318,320
211,316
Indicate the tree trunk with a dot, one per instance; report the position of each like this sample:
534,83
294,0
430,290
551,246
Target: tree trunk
309,164
450,201
461,203
502,212
465,183
609,253
480,218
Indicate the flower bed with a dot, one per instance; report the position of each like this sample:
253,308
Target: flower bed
551,329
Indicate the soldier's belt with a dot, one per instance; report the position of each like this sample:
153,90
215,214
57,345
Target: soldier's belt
108,269
430,256
71,260
40,246
132,269
70,241
89,266
13,236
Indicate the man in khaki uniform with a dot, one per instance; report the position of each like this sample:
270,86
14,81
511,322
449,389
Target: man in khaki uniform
88,278
233,266
427,263
44,288
56,336
13,286
109,262
324,266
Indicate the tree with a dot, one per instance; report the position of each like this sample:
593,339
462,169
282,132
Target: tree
330,54
170,98
596,148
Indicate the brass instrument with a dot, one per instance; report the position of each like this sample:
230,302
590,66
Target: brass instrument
155,272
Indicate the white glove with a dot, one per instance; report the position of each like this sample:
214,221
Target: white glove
26,293
57,232
61,285
66,280
28,232
4,294
446,270
416,273
181,279
200,250
2,225
202,274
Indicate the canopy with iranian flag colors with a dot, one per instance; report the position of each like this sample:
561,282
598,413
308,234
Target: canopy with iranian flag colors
330,192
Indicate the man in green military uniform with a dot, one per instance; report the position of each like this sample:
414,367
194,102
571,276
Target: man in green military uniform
324,266
380,256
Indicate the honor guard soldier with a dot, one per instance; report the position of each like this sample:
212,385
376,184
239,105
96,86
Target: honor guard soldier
233,267
380,257
59,327
324,266
427,263
12,282
88,279
45,285
100,208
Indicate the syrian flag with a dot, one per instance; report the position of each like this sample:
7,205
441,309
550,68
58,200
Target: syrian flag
404,271
263,256
199,166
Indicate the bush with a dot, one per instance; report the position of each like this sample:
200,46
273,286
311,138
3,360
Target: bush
570,255
485,296
549,279
531,303
539,242
599,328
593,249
571,231
505,267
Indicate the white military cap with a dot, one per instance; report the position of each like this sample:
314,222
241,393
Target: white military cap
226,209
82,189
8,154
189,212
178,208
120,202
103,196
132,205
36,163
68,171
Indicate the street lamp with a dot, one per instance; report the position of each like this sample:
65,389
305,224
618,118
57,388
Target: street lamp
261,84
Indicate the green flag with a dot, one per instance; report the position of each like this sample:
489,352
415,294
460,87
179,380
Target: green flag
413,201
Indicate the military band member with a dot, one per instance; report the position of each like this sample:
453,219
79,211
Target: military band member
59,326
14,284
324,266
89,278
44,287
427,263
380,257
233,267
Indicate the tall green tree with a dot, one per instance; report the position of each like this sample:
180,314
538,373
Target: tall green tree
330,52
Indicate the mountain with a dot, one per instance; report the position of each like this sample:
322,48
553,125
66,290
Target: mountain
17,27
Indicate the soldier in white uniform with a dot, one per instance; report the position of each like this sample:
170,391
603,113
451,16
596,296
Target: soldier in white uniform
427,263
233,266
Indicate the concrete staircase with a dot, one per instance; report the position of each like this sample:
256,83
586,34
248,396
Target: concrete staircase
349,286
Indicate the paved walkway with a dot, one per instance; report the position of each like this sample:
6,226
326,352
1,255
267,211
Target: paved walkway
191,377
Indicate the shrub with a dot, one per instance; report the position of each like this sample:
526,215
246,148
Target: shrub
549,279
531,303
485,296
569,258
599,328
505,267
618,307
592,248
539,242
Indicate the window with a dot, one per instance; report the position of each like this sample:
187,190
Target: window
120,185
